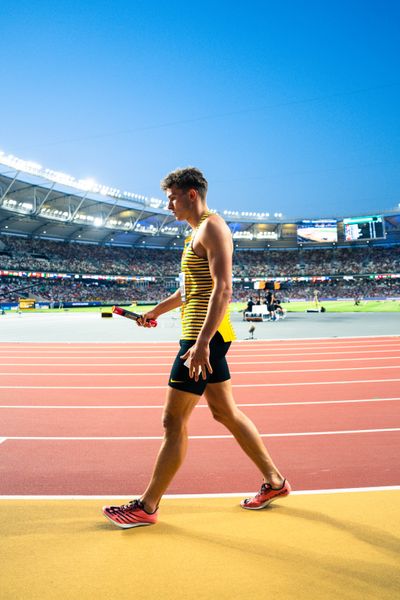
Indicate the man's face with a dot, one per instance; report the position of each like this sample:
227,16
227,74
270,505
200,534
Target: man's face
179,202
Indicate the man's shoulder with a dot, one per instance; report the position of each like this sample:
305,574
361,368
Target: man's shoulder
215,223
215,231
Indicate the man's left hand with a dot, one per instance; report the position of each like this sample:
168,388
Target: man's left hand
198,358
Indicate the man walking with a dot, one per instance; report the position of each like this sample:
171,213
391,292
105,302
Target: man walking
200,366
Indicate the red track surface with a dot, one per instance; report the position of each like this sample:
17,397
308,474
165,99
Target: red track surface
346,386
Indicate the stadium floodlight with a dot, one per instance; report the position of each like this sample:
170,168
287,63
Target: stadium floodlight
88,184
15,206
56,214
98,222
19,164
243,235
155,202
270,235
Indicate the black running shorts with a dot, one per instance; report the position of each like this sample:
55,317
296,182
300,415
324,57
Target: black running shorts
179,378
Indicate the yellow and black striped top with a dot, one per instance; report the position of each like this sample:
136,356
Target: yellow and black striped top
196,285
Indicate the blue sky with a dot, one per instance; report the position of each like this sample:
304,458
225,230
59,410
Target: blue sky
286,106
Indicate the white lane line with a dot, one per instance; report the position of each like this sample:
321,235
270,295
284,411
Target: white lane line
150,343
161,406
2,439
297,360
267,344
93,351
168,364
83,346
77,344
334,341
357,338
266,354
172,355
382,488
101,347
237,345
163,387
199,437
165,373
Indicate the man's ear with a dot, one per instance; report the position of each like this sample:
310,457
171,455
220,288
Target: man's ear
192,194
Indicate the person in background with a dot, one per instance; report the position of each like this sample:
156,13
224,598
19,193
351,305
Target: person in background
249,307
270,301
316,298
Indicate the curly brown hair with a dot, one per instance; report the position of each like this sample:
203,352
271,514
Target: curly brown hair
186,179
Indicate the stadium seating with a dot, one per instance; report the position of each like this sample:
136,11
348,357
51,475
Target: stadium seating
34,255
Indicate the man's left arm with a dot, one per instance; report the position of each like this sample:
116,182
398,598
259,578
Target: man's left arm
217,242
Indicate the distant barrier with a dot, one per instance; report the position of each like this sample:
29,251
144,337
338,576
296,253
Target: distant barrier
58,305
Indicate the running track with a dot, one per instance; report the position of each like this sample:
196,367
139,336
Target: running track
85,419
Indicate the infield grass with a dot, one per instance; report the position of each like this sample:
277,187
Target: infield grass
347,306
339,306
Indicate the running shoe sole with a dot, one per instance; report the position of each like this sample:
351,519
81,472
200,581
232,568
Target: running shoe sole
266,503
125,525
280,493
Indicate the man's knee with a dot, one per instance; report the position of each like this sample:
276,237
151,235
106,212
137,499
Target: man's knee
173,423
223,415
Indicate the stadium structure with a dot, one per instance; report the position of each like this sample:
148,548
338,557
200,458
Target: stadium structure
41,203
39,206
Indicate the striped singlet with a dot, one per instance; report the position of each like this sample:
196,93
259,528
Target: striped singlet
196,285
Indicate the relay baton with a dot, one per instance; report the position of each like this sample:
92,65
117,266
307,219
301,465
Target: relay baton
118,310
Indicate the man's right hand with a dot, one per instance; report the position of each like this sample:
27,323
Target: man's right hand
143,321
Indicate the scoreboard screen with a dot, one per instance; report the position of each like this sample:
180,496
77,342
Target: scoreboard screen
322,230
363,228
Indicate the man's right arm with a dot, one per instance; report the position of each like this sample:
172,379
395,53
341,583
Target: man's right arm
173,301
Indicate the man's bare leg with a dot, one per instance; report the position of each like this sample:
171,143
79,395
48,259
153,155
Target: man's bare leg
177,410
223,407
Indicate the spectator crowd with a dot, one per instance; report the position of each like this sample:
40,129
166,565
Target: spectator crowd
331,289
43,255
23,254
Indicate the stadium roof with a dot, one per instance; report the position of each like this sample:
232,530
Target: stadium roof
42,203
